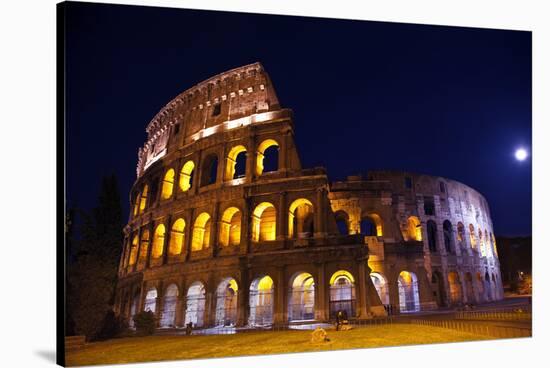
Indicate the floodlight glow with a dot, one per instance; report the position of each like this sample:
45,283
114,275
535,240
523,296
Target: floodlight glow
521,154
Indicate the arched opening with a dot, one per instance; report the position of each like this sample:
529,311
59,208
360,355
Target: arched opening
158,241
371,225
176,237
261,302
470,288
144,245
186,176
168,184
473,242
448,237
431,227
487,244
460,234
408,292
494,286
136,204
150,300
194,311
481,243
143,198
209,170
236,163
133,309
300,219
226,302
133,250
455,287
342,294
264,219
201,232
168,316
414,228
439,286
301,301
381,286
267,157
342,222
230,227
494,243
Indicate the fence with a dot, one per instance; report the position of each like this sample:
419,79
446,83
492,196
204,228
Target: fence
478,329
497,314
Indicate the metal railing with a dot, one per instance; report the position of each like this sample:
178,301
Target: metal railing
476,328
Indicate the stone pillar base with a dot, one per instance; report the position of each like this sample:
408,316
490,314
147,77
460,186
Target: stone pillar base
378,311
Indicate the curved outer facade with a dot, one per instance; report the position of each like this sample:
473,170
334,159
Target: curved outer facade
227,228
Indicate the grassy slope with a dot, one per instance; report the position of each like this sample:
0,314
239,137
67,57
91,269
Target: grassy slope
154,348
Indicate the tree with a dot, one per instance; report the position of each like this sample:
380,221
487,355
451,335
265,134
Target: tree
92,276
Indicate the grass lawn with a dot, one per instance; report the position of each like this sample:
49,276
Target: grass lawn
155,348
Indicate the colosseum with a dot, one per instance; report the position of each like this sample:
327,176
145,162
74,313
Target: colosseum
228,229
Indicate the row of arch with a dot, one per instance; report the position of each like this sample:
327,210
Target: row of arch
473,288
263,228
267,160
301,299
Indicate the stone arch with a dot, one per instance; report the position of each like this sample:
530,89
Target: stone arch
195,305
409,300
300,218
460,234
133,250
230,227
272,148
301,301
168,184
209,170
494,244
473,242
143,198
144,245
470,295
168,315
342,294
448,237
261,301
381,285
488,288
150,300
371,225
226,302
414,229
481,243
186,176
455,287
431,229
481,286
158,241
134,308
234,167
177,236
201,232
264,221
342,222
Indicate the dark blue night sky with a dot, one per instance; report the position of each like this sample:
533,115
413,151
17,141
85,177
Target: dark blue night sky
448,101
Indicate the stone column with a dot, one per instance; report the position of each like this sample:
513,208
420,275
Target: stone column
196,174
251,159
166,245
245,227
150,243
180,310
363,305
282,216
321,294
214,230
320,225
188,234
138,255
283,151
243,301
280,296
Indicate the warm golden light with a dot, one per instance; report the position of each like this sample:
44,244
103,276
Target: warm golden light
261,152
230,227
473,242
158,241
168,184
339,274
176,237
378,222
300,213
133,250
414,228
232,161
201,232
144,245
186,175
264,222
143,198
266,283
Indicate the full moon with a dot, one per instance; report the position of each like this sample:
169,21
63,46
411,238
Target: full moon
521,154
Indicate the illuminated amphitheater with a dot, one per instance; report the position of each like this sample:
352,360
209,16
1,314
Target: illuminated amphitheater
228,229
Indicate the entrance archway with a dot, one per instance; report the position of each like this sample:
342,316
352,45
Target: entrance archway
408,292
301,301
381,286
226,302
342,293
439,286
168,317
194,311
261,302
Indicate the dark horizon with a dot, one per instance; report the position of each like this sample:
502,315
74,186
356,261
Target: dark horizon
444,101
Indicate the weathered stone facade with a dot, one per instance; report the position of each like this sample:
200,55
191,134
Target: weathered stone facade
227,228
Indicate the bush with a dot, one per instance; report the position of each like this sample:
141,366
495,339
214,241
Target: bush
145,323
